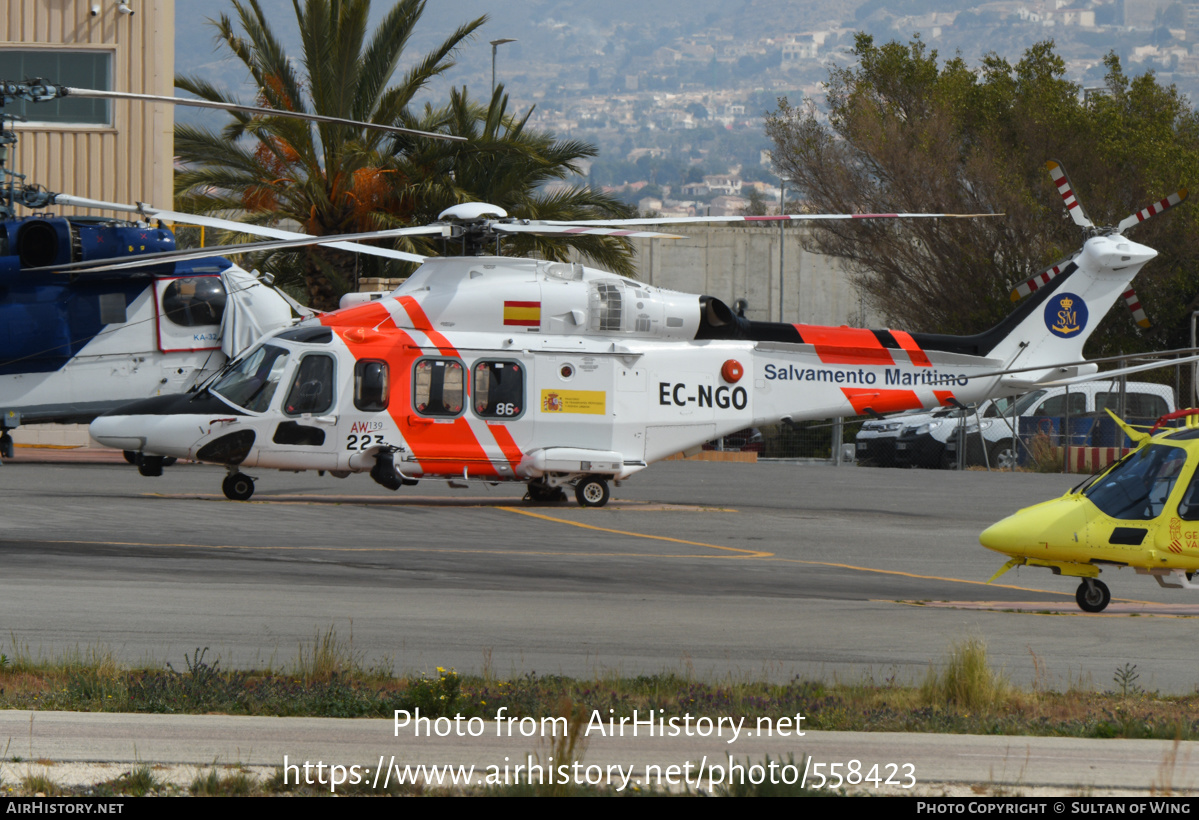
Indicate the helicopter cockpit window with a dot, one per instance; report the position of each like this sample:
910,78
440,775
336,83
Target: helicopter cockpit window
252,381
439,387
1137,489
195,301
499,389
1188,505
312,387
371,385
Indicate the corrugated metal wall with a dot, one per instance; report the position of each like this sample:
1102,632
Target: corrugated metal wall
132,159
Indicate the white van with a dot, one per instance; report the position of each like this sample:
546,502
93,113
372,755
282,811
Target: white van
933,442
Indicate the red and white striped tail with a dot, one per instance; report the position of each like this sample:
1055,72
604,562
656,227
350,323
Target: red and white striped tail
1153,210
1058,174
1039,281
1134,304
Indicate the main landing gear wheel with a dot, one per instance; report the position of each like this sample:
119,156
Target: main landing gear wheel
592,492
1092,595
541,494
238,487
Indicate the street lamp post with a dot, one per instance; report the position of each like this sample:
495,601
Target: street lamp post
495,44
782,239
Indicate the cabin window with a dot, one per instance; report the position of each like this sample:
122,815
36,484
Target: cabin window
371,385
1136,489
251,381
439,387
1188,506
83,68
195,301
312,387
498,390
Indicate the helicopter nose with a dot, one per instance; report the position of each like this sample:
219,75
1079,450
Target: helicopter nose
1007,536
1039,530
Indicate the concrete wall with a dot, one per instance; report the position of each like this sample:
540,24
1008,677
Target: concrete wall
741,262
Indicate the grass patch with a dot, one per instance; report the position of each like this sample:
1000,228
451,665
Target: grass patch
962,695
40,783
137,782
214,784
966,680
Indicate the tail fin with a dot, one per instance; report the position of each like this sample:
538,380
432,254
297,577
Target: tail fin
1060,323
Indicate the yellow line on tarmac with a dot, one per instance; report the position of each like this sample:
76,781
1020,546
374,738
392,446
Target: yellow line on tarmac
435,550
744,553
939,578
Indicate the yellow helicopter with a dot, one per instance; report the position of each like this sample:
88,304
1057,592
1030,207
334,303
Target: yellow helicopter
1142,512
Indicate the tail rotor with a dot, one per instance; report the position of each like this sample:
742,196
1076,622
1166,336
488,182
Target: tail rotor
1073,207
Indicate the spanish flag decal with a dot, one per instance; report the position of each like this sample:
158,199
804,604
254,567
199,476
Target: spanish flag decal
522,314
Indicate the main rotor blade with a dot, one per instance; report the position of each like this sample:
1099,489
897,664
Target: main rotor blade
542,228
230,225
1153,210
230,250
688,220
251,109
1128,357
1123,371
1058,174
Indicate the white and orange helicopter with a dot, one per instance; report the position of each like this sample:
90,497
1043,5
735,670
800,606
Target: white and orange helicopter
557,375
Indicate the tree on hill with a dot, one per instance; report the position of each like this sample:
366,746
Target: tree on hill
907,133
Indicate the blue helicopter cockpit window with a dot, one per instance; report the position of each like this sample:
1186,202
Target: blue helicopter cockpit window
194,301
438,387
1137,488
312,388
251,383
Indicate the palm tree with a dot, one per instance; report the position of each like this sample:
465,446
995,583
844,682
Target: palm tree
327,178
505,163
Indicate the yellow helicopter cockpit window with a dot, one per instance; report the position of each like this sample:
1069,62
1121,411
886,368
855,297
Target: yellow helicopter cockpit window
1138,487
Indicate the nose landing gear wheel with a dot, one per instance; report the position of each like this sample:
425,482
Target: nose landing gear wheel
1092,595
149,465
238,487
592,492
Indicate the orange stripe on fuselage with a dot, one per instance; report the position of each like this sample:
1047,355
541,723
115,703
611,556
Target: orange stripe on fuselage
444,447
845,345
503,437
421,322
914,351
371,314
944,396
881,401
